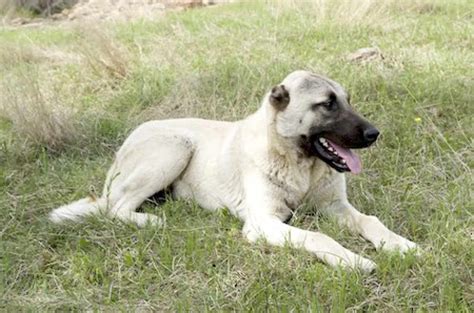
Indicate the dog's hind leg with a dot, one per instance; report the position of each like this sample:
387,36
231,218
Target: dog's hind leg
142,170
145,164
125,208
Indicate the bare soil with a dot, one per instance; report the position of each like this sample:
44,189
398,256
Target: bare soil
110,10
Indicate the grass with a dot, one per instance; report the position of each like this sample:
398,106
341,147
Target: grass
70,94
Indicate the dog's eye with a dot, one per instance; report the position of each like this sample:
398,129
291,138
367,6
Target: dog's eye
329,105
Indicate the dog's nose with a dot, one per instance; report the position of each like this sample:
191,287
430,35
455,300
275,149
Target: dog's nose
371,134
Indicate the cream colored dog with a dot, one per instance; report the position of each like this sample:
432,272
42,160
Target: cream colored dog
292,150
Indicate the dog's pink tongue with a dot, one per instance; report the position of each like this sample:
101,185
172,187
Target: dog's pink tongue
352,159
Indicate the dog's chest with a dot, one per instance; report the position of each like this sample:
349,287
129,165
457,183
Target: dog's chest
290,183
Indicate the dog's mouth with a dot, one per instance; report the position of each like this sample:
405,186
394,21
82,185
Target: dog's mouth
340,158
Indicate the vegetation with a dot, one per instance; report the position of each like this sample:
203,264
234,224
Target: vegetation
70,94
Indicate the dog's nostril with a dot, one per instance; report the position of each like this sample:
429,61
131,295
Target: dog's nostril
371,134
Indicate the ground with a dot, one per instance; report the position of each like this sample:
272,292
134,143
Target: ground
71,92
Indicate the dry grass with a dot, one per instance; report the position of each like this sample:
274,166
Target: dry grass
12,54
43,84
37,114
341,12
43,7
105,56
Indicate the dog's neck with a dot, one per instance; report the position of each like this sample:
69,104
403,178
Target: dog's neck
278,157
278,147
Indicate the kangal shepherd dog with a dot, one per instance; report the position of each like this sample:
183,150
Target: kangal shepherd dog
293,150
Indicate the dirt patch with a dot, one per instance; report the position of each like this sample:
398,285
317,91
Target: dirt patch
112,10
364,55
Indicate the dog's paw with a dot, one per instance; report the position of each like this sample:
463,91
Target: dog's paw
152,220
400,244
366,265
358,262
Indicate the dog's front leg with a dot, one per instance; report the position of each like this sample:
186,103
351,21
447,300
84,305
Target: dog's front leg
323,247
369,226
261,222
332,199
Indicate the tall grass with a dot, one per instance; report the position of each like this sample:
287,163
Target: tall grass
42,85
37,114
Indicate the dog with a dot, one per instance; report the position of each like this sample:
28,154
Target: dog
294,149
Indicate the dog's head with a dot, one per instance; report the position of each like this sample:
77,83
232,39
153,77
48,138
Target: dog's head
314,112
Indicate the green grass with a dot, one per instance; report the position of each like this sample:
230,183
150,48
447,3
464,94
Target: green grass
217,63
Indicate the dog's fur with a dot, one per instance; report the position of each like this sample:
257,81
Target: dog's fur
261,168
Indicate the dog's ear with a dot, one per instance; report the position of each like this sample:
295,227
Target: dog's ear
279,97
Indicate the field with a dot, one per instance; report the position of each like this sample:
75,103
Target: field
71,92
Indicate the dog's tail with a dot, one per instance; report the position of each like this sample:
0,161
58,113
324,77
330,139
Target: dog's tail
77,210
